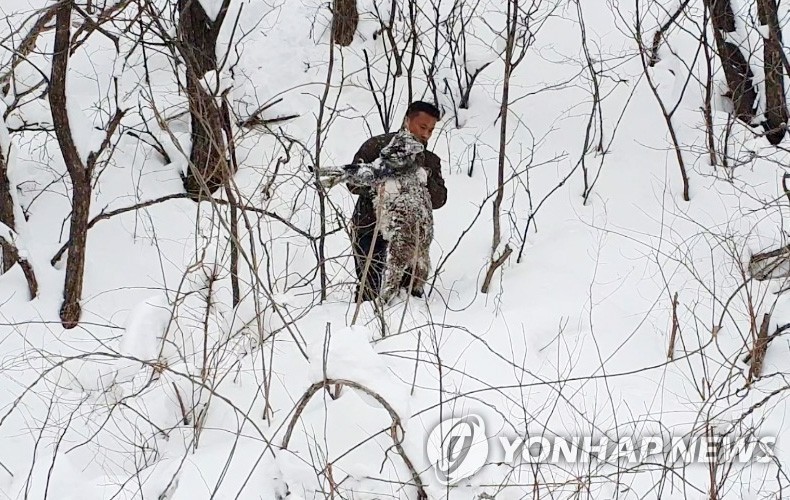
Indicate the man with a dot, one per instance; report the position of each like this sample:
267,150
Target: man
420,120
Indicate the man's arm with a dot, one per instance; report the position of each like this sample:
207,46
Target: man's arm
366,154
436,185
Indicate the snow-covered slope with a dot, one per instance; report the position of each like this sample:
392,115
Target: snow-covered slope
168,390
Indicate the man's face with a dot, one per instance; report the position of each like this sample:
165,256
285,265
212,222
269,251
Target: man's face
421,125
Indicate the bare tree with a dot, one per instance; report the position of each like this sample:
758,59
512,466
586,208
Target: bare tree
736,68
595,122
327,113
80,171
383,95
399,39
25,47
415,43
345,18
431,61
707,109
666,111
517,40
457,33
775,106
6,210
457,36
209,167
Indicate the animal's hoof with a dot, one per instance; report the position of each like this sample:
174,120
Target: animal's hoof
387,297
417,292
328,182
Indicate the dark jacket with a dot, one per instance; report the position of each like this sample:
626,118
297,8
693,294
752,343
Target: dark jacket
364,218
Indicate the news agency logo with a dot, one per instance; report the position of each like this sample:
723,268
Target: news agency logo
458,448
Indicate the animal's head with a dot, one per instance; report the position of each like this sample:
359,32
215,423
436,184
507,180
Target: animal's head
403,148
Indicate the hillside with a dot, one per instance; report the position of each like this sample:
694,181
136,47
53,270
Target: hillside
623,310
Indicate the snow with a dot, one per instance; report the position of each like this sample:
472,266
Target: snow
212,8
764,31
171,387
87,138
216,83
348,355
145,329
6,232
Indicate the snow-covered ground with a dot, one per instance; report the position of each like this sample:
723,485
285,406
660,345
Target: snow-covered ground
168,390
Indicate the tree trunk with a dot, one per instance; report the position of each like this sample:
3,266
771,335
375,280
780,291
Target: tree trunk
736,68
320,245
75,262
512,20
344,21
209,168
776,107
707,110
6,214
79,173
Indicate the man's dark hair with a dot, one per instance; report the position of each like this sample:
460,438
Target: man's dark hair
423,107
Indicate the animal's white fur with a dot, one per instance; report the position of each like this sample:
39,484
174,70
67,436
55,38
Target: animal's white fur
402,200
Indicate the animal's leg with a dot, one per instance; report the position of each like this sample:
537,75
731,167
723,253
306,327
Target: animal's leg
329,177
422,259
399,256
360,174
421,269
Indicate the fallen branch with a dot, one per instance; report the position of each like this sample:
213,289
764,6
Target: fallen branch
758,350
158,147
181,404
779,331
255,116
396,423
257,121
763,265
675,328
772,253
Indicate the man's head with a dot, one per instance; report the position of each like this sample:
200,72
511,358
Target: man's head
421,118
